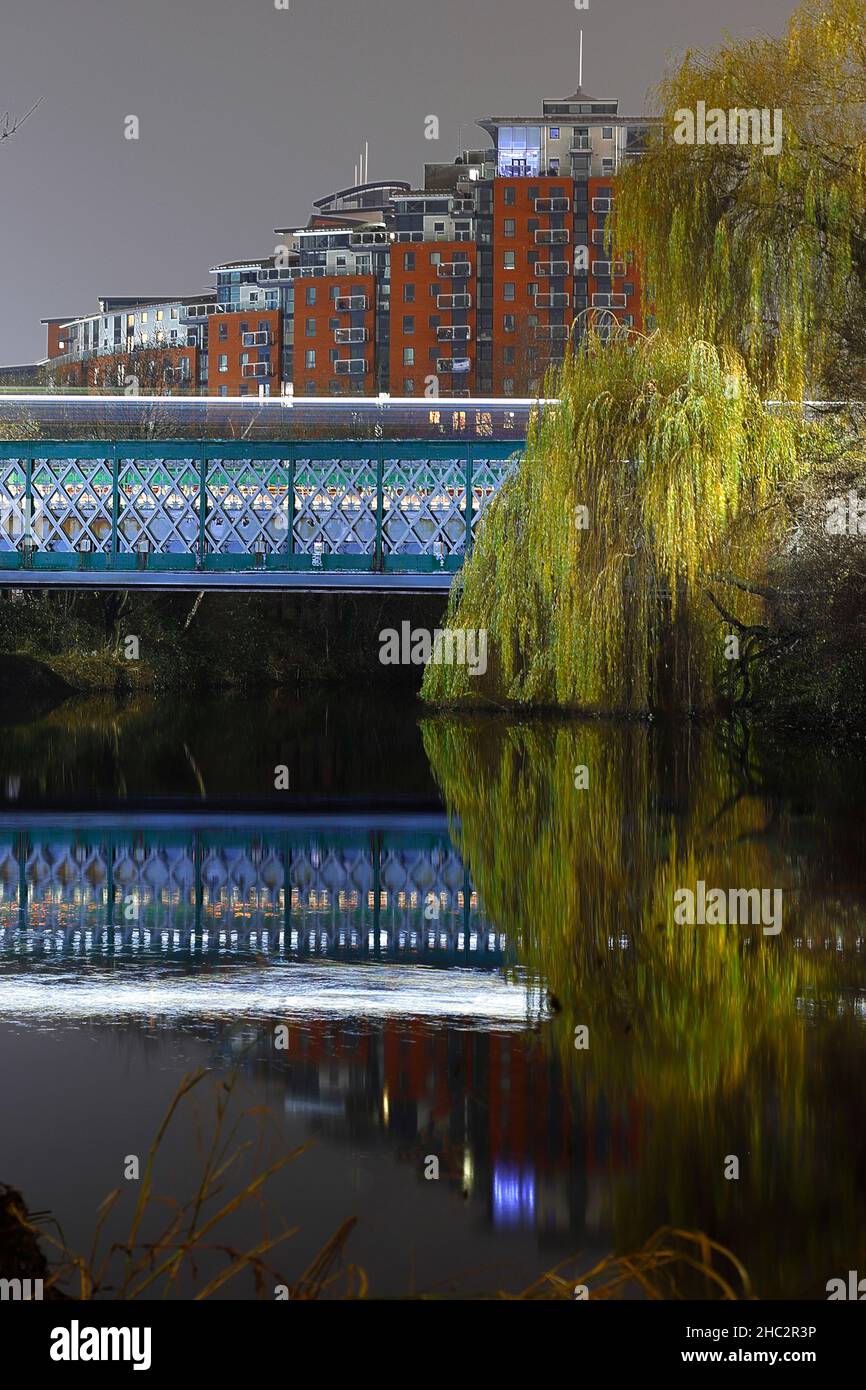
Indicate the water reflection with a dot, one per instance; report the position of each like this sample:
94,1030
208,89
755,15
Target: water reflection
430,969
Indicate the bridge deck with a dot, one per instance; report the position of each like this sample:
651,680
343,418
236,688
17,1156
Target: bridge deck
232,581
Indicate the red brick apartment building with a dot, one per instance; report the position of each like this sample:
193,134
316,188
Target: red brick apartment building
473,284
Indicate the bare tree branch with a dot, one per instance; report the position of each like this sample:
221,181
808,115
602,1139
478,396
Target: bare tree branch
9,123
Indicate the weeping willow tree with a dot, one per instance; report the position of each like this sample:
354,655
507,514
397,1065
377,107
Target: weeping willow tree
764,252
602,567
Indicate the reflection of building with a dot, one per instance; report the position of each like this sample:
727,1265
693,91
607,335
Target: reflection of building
468,285
510,1130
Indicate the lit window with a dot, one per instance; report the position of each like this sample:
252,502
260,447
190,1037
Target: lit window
223,362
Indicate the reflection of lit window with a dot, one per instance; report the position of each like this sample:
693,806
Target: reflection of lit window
513,1196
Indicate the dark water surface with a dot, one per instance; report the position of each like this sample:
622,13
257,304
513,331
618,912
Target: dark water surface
391,959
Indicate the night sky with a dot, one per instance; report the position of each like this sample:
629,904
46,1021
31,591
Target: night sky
247,113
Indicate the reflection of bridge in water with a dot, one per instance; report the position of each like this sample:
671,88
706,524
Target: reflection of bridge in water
292,512
337,894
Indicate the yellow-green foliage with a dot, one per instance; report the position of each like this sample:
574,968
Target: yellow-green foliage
701,1029
669,449
766,252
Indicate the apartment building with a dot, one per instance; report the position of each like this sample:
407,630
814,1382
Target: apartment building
473,284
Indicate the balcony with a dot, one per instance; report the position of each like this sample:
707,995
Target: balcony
461,206
454,301
368,239
351,366
350,335
559,237
552,301
453,364
454,270
261,339
349,303
552,333
602,204
545,269
552,204
601,268
257,370
457,333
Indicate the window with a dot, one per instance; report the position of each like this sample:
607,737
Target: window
310,328
310,297
508,356
628,287
607,132
532,224
408,386
532,288
439,226
223,390
223,332
554,166
408,260
245,359
607,166
508,227
159,315
509,290
508,385
334,355
508,323
509,197
509,262
333,324
554,132
408,323
409,357
435,258
223,362
408,294
335,290
434,321
174,312
144,316
532,193
310,358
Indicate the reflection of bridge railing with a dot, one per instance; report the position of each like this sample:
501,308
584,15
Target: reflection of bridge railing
400,506
390,897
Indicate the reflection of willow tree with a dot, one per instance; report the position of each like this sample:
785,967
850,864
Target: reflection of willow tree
696,1026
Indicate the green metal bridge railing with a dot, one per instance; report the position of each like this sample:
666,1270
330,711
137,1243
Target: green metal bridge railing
407,506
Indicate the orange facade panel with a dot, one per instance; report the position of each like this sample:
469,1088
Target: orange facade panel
335,335
244,352
434,304
533,278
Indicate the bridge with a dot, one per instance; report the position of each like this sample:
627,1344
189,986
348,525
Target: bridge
286,513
